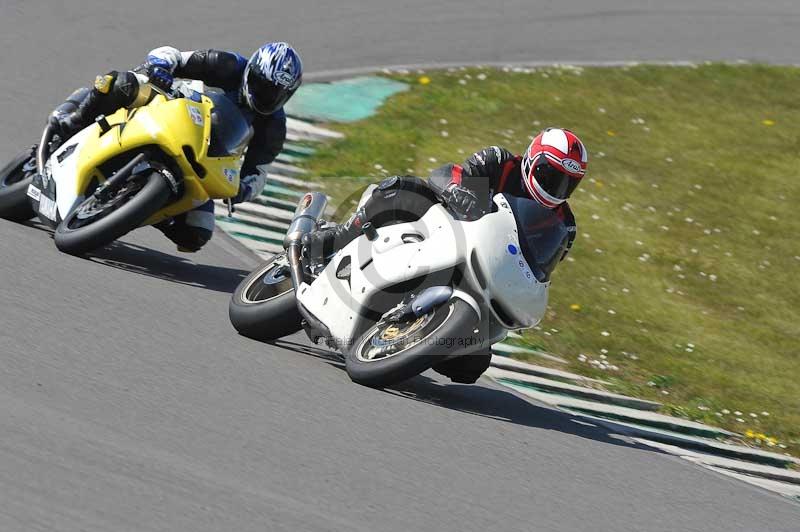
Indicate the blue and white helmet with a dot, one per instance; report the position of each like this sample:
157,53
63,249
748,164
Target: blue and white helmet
272,75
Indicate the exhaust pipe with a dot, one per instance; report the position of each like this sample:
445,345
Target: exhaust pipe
309,210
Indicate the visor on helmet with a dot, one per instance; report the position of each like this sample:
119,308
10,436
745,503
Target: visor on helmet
555,182
265,96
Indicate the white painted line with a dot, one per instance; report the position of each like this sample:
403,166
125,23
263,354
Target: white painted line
257,210
548,385
620,412
284,168
740,466
510,364
788,490
293,182
513,350
297,126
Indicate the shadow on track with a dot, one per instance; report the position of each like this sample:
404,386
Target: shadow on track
153,263
483,400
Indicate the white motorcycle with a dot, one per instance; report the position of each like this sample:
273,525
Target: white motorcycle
404,298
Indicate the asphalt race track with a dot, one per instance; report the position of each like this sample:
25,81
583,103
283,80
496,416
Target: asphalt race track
127,402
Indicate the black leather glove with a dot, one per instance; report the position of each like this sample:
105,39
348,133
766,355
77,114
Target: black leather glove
462,201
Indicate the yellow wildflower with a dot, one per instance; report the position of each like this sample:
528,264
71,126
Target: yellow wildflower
424,80
767,122
576,307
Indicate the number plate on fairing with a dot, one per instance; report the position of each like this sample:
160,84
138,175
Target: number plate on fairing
34,193
48,208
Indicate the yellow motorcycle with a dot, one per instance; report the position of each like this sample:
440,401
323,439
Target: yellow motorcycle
134,168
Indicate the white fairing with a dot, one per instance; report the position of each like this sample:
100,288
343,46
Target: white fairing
389,260
63,173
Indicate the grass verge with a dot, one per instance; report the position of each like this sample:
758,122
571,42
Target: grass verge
683,285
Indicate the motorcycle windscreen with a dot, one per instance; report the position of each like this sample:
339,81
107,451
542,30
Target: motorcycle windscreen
230,130
543,235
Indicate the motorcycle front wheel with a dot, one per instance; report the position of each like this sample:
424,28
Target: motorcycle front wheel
14,180
98,221
389,353
263,307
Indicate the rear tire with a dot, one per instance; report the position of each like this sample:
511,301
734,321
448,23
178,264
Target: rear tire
263,307
378,359
90,226
14,181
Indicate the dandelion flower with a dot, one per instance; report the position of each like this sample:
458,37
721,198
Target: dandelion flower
767,122
424,80
611,133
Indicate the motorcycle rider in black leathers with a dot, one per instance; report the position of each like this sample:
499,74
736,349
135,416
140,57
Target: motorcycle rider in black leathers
260,87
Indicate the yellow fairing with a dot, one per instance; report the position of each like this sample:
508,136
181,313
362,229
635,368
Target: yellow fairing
179,127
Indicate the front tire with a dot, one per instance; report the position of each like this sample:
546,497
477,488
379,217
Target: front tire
96,223
263,307
391,353
14,180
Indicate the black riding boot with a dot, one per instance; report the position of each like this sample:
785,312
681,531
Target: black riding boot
325,242
396,199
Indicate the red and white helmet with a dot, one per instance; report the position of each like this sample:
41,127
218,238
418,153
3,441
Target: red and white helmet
553,166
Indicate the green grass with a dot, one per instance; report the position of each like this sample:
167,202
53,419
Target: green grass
686,271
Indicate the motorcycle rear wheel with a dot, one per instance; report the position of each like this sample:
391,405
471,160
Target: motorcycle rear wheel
263,307
14,180
391,353
96,223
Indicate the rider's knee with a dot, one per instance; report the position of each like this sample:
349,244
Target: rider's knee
72,102
194,229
